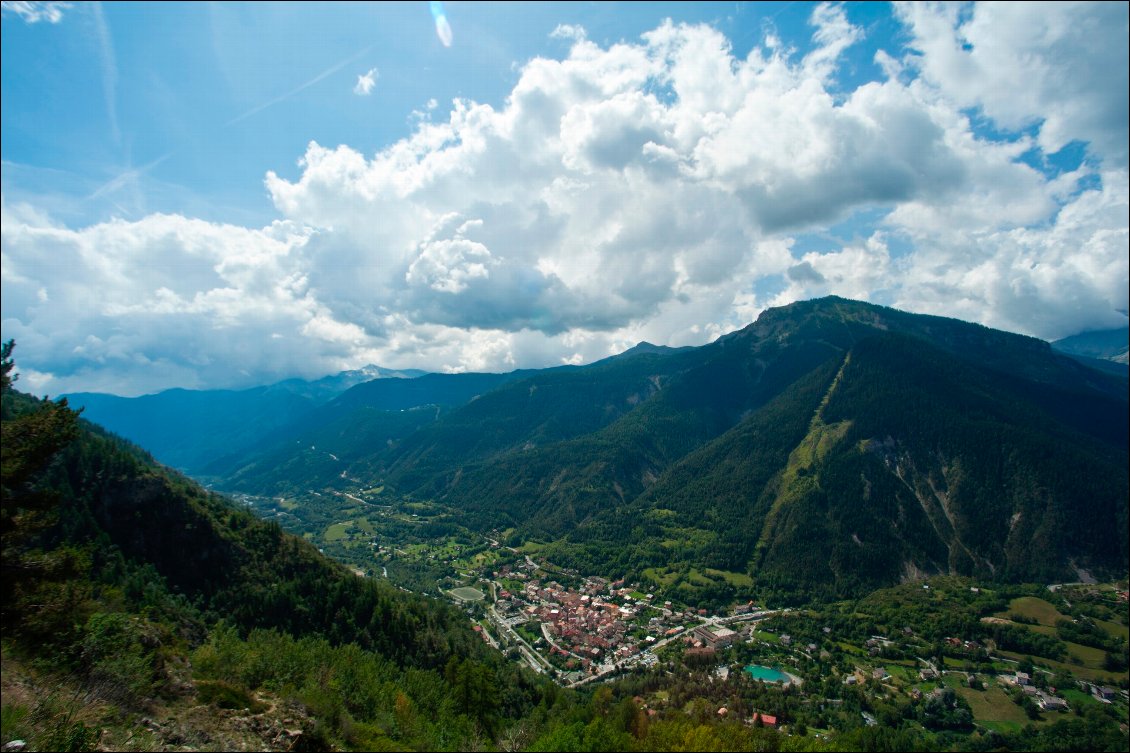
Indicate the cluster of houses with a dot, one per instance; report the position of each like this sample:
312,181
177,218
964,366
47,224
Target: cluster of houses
1045,700
602,621
593,623
1103,693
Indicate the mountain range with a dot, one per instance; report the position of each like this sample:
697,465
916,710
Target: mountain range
1102,345
187,428
828,448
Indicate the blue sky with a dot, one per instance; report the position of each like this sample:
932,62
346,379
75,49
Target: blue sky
220,195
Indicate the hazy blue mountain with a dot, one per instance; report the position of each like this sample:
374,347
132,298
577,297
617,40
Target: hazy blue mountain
187,429
1107,345
314,448
330,386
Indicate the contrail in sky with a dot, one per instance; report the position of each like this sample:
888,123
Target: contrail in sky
129,175
328,72
137,172
109,70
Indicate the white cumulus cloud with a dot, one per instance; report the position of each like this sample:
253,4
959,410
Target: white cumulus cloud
366,82
664,189
1061,67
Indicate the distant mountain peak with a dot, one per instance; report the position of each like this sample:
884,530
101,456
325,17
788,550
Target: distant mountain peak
643,346
1105,344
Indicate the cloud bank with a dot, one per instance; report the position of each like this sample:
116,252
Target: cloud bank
664,190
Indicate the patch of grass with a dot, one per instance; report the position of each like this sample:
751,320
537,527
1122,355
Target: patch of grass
14,722
696,578
1036,608
739,580
903,672
288,504
484,558
1004,727
1083,671
1114,629
1041,629
661,575
684,538
467,594
1092,657
336,532
1077,698
992,706
953,680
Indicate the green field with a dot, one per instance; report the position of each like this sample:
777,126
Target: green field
1087,673
666,576
994,708
738,580
1036,608
1047,615
660,575
465,593
1092,657
1077,698
336,532
1113,628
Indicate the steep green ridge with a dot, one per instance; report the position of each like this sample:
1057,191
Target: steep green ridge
945,469
112,498
797,479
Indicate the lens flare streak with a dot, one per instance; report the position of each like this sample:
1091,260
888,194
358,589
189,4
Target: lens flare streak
443,28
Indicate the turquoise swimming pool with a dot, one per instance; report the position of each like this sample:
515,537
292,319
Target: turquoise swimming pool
766,674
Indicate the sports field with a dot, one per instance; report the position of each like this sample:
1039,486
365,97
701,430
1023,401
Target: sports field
464,593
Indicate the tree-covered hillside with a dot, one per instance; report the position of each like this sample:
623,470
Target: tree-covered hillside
132,586
828,448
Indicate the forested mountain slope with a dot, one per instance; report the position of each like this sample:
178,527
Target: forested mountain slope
830,447
132,586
